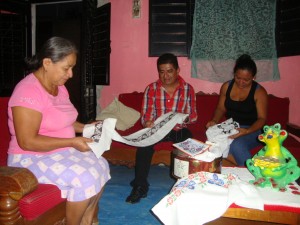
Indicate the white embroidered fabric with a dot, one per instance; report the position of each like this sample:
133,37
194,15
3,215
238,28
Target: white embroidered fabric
202,197
219,134
104,132
101,133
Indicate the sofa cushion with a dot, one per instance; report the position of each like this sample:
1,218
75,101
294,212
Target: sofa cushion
126,116
45,197
4,134
134,101
164,146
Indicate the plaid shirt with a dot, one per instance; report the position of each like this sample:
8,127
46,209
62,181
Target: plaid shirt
157,101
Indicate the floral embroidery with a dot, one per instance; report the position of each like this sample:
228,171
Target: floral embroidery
216,180
198,181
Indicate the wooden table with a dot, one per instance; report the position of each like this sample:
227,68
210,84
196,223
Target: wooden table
269,216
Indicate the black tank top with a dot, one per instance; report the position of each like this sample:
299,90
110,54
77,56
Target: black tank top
243,112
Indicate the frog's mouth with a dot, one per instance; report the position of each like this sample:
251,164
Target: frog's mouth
269,136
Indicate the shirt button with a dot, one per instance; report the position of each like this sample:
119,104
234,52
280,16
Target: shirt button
168,100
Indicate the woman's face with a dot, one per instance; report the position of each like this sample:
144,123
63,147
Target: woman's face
168,74
62,70
243,78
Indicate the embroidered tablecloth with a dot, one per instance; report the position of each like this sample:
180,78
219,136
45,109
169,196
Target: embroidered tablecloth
202,197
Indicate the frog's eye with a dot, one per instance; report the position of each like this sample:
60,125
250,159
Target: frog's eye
266,128
277,126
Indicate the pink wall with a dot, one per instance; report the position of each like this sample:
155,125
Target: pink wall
131,69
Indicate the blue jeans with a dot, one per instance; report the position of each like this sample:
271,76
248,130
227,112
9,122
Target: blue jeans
240,147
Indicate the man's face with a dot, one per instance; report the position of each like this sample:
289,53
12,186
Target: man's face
168,74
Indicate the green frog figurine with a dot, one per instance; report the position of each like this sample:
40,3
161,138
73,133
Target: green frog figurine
273,166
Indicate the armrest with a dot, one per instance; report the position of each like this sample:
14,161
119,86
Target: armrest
293,129
15,183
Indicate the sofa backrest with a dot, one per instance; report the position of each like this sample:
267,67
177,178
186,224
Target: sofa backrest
4,132
132,100
278,111
206,105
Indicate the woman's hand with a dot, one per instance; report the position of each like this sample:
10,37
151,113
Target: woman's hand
80,143
210,123
242,132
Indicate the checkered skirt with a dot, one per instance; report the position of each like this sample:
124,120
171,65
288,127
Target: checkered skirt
79,175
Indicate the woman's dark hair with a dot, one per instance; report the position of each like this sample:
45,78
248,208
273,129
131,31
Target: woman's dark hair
55,48
245,62
167,58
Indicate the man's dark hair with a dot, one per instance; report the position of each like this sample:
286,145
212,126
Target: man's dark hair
167,58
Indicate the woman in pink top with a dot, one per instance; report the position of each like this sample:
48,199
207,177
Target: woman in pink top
42,123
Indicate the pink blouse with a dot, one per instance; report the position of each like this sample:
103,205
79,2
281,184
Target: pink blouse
58,113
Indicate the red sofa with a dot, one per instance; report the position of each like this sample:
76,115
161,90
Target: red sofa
22,199
123,154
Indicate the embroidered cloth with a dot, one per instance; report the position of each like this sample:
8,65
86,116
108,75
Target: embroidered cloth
202,197
219,134
104,132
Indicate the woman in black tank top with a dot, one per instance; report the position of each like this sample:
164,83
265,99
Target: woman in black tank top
246,102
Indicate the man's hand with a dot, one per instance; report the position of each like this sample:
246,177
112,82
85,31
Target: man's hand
148,124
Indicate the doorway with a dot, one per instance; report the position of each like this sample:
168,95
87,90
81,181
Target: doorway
80,21
63,20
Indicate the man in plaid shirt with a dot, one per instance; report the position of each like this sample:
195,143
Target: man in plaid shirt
170,93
